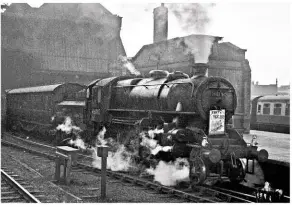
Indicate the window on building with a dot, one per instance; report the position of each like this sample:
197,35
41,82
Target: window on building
266,108
259,109
287,111
277,109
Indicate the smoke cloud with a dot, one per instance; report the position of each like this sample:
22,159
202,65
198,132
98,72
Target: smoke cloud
193,17
199,47
128,65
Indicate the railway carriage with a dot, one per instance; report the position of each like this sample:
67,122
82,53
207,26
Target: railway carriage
271,113
32,108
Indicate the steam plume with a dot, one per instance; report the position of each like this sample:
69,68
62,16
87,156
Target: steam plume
171,173
100,136
128,65
149,142
78,143
118,160
67,126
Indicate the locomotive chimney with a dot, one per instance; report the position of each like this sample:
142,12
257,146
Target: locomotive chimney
160,15
200,69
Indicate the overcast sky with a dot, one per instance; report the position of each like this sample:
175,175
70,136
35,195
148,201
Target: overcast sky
264,29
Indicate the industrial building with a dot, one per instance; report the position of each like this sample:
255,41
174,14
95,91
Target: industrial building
58,42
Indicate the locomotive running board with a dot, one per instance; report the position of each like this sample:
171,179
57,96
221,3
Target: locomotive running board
153,111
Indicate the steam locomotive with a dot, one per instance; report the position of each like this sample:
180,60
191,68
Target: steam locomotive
191,113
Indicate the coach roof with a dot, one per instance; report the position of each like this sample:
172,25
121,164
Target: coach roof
38,89
275,98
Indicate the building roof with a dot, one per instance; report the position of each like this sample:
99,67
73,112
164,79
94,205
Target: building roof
229,44
254,97
71,11
177,40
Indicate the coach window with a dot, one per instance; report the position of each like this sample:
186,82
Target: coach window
277,108
259,109
87,93
287,111
46,102
98,95
266,108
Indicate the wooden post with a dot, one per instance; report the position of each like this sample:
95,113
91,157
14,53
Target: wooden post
102,151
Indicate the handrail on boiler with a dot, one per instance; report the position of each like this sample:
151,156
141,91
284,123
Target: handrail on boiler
159,84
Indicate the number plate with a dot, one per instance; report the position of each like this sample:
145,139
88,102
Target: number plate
216,93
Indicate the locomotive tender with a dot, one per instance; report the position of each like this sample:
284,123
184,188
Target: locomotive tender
191,113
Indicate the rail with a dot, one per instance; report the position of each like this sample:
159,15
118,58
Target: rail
21,190
211,195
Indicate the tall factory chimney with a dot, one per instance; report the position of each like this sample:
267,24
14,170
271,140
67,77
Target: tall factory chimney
160,23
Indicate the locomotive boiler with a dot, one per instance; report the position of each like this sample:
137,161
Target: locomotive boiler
191,115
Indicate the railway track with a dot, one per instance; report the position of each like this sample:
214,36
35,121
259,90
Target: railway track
198,194
13,191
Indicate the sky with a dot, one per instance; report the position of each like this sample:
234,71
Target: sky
262,28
